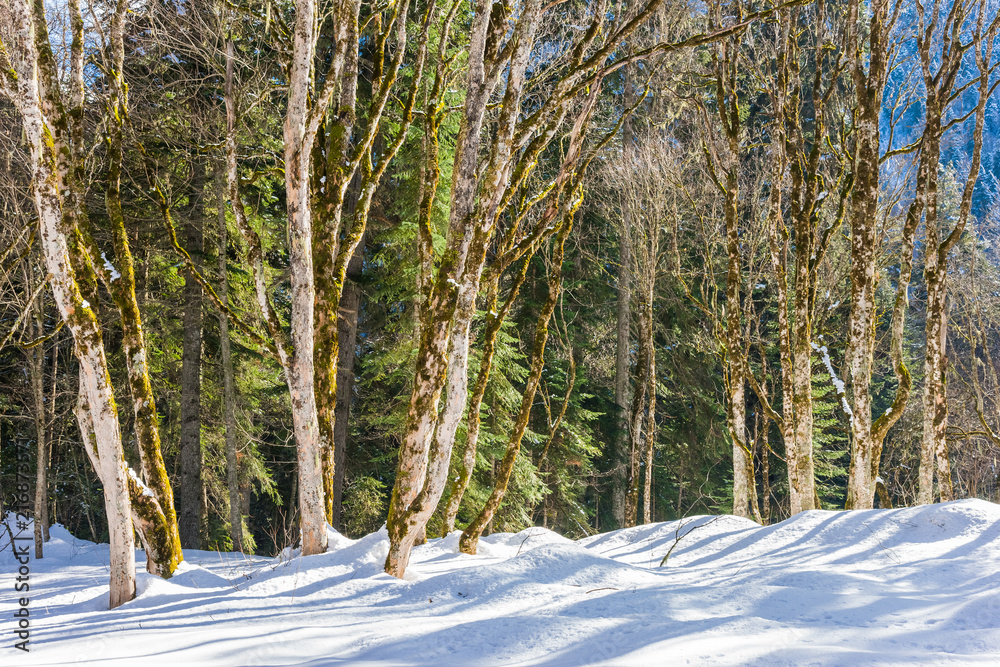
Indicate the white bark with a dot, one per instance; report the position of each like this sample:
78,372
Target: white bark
75,311
300,371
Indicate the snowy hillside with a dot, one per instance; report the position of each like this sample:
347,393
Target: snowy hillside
900,587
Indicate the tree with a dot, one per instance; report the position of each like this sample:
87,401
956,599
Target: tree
29,80
322,240
941,73
804,144
192,515
870,60
724,168
478,195
562,210
640,184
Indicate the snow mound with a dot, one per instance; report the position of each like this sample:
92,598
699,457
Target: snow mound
907,586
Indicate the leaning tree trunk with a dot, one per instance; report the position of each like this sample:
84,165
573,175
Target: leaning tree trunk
469,541
477,196
51,169
94,433
419,480
506,254
467,455
120,281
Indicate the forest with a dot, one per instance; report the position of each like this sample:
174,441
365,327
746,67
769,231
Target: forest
272,265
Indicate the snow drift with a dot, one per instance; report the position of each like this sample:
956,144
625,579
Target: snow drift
826,588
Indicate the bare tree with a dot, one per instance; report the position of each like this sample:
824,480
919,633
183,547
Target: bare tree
725,164
500,47
29,79
974,314
639,183
945,40
323,152
805,143
871,58
567,199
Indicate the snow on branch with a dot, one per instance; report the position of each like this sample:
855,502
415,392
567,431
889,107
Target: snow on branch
838,384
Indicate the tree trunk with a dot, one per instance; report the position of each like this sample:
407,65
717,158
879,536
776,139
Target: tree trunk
121,284
934,445
95,433
477,197
228,384
635,429
467,459
192,509
735,374
865,450
650,431
462,475
941,86
300,372
469,541
36,372
621,442
347,323
801,476
422,456
726,66
51,168
870,83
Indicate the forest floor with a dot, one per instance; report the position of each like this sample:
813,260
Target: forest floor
902,587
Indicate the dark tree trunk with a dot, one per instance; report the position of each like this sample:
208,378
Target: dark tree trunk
36,366
192,506
347,322
621,442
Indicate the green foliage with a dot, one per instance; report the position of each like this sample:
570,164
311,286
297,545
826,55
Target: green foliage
364,506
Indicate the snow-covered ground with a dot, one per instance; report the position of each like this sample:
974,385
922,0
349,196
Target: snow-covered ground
905,586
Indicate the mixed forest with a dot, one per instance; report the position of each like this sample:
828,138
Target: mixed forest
269,265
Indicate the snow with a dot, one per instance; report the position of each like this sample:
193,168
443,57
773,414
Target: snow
838,384
110,268
901,587
146,491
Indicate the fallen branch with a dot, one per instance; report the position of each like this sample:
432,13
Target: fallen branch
678,537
